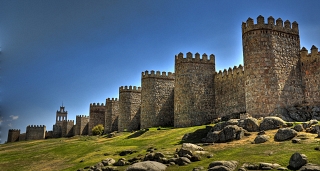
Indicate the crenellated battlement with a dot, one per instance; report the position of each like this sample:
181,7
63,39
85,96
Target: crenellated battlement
96,104
36,126
285,27
82,116
14,130
68,121
195,59
158,74
231,72
309,57
111,100
130,89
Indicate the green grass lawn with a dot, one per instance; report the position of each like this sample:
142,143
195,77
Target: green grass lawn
66,153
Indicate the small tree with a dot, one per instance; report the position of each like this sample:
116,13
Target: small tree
98,130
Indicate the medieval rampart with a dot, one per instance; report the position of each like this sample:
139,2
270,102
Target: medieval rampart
129,108
311,75
82,123
13,135
194,90
271,57
229,91
157,99
111,115
67,128
97,112
35,132
22,137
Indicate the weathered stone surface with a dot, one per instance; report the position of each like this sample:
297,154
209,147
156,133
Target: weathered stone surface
223,166
310,167
199,168
298,128
297,160
182,152
192,147
251,125
158,155
261,166
157,99
230,133
270,74
181,161
261,139
97,116
192,79
285,134
296,140
269,123
147,166
129,108
120,162
108,162
111,116
148,157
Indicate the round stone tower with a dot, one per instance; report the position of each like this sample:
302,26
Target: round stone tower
272,69
129,108
194,94
156,99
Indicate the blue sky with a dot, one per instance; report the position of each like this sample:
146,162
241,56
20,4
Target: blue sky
80,52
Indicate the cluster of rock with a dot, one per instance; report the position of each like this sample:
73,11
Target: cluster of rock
297,162
301,113
235,129
152,161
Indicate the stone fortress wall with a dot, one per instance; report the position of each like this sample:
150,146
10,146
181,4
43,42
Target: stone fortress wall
13,135
67,128
194,96
82,123
230,91
272,69
97,112
129,108
276,76
310,64
35,132
111,115
157,99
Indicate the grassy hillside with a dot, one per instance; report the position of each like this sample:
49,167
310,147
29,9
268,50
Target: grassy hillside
66,153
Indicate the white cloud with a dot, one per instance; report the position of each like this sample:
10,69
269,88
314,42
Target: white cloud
9,125
1,120
14,117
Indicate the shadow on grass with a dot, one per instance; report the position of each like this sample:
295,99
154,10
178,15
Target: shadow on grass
136,134
196,136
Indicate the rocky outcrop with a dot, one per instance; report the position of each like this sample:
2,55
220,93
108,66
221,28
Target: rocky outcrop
298,128
302,113
261,166
223,166
251,124
297,160
261,139
269,123
192,147
285,134
147,166
229,133
310,167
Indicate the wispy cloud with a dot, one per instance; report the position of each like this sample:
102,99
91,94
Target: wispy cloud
1,120
14,117
10,125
